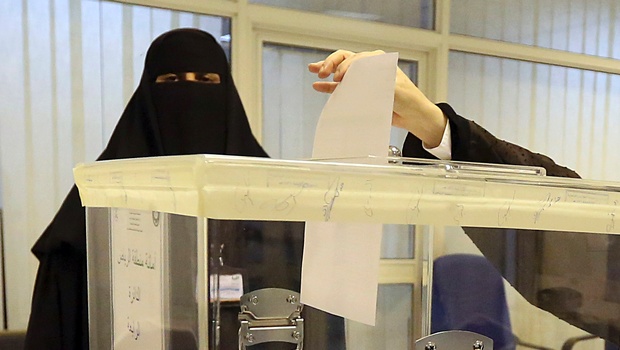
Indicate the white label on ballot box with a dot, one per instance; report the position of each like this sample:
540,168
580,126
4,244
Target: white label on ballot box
137,274
230,287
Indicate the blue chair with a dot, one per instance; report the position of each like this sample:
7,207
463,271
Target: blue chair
468,294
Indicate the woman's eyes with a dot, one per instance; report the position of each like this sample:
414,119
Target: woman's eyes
204,78
167,78
208,78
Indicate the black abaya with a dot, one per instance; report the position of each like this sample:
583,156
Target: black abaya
183,117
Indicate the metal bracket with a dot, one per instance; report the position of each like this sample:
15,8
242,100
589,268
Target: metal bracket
271,315
454,340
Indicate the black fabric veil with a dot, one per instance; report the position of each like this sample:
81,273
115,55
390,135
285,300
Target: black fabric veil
184,117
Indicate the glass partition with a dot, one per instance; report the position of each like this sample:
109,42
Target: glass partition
149,288
507,252
532,288
413,13
583,26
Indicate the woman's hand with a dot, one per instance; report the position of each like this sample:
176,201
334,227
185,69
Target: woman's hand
413,111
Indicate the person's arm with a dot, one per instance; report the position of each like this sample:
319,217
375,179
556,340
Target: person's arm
413,111
538,268
426,122
472,143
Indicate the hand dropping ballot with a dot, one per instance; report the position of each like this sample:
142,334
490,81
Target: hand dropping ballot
341,260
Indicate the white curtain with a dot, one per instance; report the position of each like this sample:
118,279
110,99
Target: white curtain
410,13
68,69
590,27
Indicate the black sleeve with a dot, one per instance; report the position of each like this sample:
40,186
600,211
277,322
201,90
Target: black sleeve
472,143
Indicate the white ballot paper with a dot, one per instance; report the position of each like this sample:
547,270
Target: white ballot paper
341,260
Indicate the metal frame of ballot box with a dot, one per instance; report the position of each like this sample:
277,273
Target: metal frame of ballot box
454,340
404,191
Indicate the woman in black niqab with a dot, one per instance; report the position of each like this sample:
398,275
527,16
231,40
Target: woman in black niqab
186,103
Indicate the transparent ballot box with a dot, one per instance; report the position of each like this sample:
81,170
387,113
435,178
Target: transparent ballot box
207,252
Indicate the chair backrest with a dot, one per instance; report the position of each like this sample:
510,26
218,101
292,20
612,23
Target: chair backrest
14,340
468,294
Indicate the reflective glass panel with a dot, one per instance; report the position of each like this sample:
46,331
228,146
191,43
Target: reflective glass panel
411,13
148,286
581,26
526,259
530,289
394,321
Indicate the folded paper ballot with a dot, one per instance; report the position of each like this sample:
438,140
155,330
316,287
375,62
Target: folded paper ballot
341,260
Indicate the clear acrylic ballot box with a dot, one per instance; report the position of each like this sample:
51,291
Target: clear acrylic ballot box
206,252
